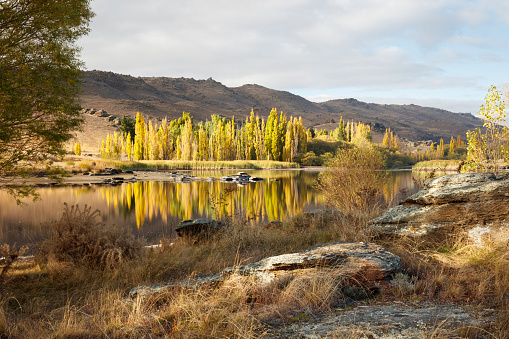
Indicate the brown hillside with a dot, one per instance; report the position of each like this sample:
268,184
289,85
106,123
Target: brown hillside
159,97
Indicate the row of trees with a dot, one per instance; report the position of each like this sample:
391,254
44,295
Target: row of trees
355,132
278,138
441,151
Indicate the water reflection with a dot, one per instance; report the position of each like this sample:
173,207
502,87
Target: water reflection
152,209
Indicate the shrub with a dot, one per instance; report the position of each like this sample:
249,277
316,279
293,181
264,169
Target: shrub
310,159
354,181
79,238
324,144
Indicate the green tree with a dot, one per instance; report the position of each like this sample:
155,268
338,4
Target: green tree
40,79
127,126
340,132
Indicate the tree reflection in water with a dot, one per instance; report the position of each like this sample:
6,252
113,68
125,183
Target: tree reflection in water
154,208
263,200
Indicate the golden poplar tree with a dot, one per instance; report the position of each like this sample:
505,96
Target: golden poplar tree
77,149
139,138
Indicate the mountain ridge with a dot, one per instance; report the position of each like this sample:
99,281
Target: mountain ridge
159,97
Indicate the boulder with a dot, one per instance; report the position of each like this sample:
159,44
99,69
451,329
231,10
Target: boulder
195,227
396,320
466,200
102,113
358,263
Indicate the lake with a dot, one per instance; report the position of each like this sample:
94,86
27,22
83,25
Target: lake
152,209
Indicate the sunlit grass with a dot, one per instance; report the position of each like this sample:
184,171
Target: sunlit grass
188,165
445,165
61,299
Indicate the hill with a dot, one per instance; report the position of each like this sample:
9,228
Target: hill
159,97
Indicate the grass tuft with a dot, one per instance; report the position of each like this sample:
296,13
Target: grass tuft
78,237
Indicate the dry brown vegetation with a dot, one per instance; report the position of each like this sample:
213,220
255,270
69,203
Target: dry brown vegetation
81,239
77,286
66,297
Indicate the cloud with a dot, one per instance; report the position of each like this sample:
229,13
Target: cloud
288,44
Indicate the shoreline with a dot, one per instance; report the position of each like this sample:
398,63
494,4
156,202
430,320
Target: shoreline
135,176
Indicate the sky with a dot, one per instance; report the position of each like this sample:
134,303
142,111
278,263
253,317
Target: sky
437,53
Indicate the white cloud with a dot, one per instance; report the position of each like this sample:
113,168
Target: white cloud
289,44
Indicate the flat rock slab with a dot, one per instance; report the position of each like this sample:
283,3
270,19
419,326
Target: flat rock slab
467,200
362,264
394,321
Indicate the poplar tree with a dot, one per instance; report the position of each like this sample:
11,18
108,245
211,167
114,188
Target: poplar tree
280,137
129,147
302,137
77,149
288,151
269,133
452,145
386,142
186,140
139,138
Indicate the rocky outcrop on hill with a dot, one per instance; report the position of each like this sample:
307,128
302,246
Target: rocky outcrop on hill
468,200
360,264
101,114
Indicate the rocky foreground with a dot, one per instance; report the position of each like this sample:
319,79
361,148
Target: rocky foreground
474,204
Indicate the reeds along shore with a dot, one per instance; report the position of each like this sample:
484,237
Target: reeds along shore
439,165
182,165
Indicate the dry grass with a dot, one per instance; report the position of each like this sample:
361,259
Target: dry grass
75,164
79,237
58,300
61,300
438,165
457,269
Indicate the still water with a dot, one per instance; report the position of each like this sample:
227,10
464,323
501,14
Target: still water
153,209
